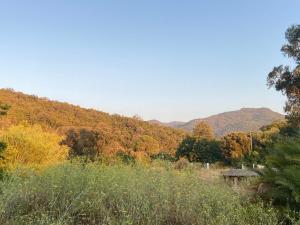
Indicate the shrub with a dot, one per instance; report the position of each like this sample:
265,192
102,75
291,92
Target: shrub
2,148
182,163
126,158
31,146
282,174
97,194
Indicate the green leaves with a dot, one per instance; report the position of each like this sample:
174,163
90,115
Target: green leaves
286,79
200,150
283,174
4,108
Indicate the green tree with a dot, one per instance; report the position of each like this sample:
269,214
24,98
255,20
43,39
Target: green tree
200,150
206,151
286,79
203,130
185,148
2,148
282,174
82,143
4,109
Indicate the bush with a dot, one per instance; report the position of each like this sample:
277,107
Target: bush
126,158
97,194
182,163
2,148
282,174
31,146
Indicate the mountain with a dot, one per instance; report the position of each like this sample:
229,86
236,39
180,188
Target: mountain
117,132
245,119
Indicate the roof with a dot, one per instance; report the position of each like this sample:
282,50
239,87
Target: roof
239,173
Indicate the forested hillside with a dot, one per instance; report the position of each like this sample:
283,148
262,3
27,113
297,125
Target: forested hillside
245,119
117,133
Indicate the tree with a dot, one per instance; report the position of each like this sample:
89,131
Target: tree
82,143
282,174
147,144
4,109
235,146
203,130
137,117
31,146
200,150
2,148
185,148
116,132
264,139
206,151
286,79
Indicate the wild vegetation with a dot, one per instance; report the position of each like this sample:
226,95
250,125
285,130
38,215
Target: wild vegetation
116,133
31,147
61,164
99,194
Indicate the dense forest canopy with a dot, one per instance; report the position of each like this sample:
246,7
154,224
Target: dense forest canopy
117,133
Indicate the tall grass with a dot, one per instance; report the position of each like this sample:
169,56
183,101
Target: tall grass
99,194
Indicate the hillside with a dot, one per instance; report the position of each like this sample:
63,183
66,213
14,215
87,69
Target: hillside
117,132
245,119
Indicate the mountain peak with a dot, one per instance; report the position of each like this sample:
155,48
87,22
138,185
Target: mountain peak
245,119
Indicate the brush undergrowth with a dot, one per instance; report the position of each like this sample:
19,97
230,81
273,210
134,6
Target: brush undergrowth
119,194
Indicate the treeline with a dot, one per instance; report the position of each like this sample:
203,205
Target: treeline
234,149
91,134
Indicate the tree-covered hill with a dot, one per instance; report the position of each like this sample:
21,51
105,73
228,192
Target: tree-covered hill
117,132
245,119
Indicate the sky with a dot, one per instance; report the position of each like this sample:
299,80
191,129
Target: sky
160,59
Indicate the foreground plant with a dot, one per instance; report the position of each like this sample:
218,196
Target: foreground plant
98,194
282,175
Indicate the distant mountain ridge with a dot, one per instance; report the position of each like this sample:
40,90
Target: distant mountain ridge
245,119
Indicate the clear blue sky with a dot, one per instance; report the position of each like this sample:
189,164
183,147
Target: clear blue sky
163,59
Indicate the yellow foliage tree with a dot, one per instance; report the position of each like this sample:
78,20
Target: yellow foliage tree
203,131
236,145
32,147
148,145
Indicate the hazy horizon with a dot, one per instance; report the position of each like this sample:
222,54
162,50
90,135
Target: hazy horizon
168,61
